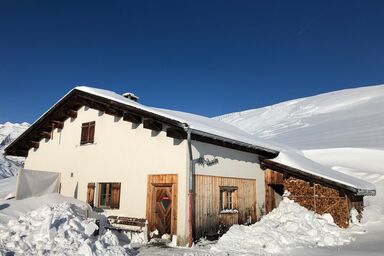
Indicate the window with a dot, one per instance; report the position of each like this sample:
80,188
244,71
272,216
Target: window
87,133
228,199
107,195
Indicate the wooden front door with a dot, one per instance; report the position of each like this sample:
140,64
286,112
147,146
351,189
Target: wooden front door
162,203
163,209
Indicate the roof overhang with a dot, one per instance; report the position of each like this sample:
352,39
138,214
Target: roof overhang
68,106
270,164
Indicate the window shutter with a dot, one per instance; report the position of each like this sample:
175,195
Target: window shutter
115,197
225,200
235,199
84,134
91,193
91,134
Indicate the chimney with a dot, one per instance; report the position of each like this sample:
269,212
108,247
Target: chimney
131,96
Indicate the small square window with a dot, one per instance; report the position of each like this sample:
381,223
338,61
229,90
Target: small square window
228,198
87,133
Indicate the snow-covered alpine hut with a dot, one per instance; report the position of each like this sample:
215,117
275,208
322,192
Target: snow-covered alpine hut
187,175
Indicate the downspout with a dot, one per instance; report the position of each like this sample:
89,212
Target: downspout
190,186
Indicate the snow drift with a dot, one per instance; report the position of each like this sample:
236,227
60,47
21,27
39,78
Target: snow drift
288,226
58,228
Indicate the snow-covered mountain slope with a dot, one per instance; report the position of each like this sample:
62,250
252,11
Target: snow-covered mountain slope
346,118
343,130
8,132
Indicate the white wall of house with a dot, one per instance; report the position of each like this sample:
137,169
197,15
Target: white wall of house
231,163
127,153
122,152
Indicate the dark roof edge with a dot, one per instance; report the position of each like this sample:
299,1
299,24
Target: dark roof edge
269,152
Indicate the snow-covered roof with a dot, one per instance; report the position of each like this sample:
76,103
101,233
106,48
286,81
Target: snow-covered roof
197,123
296,160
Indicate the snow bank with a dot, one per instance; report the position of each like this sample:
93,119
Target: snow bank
61,229
288,226
10,209
7,187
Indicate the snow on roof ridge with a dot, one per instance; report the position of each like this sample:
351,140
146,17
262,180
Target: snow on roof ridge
196,122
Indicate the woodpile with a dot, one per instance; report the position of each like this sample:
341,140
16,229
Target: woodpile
320,199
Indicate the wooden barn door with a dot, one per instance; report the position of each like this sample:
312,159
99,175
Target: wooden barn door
162,203
163,209
209,219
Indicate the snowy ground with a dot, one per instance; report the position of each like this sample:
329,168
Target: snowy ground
56,225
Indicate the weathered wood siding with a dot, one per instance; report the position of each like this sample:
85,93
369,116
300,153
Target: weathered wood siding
271,178
208,221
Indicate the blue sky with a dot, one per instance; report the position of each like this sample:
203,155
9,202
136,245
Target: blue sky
204,57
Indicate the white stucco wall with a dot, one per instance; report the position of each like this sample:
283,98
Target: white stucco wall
232,163
127,153
122,152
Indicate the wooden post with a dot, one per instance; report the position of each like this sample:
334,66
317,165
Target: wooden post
314,196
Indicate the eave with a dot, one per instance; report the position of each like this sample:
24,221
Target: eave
68,106
285,169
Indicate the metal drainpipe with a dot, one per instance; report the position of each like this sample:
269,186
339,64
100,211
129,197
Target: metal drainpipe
190,184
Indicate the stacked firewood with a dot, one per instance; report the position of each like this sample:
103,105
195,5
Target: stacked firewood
320,199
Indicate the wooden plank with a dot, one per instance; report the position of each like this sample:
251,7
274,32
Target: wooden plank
207,214
21,152
176,133
129,117
57,124
114,111
152,125
46,135
33,144
70,113
162,180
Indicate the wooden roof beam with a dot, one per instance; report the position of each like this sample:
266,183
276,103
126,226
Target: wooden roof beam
70,113
45,135
20,152
57,124
33,144
114,111
129,117
152,125
176,133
